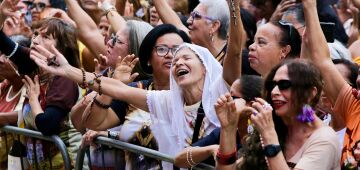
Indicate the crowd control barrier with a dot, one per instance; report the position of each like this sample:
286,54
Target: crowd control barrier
131,148
35,134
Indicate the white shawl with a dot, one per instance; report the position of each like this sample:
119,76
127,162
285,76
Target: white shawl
167,107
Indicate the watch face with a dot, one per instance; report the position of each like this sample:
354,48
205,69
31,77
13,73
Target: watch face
271,151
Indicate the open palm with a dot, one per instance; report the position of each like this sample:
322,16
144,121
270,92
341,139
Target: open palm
41,56
124,68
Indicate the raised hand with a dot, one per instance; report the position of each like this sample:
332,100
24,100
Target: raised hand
9,8
262,117
281,8
54,61
32,87
228,111
124,68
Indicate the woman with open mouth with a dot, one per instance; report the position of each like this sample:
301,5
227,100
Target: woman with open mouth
196,81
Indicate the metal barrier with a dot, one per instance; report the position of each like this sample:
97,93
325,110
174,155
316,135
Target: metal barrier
35,134
131,148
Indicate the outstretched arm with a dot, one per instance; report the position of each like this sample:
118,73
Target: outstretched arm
233,58
168,15
108,86
316,44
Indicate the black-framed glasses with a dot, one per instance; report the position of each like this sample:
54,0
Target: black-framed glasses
40,6
114,39
196,16
163,50
282,85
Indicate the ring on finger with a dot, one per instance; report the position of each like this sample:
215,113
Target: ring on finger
52,61
267,106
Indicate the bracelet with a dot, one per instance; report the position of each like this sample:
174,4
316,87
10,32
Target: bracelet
102,105
189,159
13,51
112,135
98,81
83,85
233,11
226,159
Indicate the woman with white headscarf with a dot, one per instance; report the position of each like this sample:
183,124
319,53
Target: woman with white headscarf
197,79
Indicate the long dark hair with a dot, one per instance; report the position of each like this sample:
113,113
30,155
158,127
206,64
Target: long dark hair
304,76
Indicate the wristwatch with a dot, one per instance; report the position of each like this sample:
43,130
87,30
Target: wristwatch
271,150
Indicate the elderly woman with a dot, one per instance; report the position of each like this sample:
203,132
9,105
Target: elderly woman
156,53
208,24
273,42
344,98
196,80
291,137
50,97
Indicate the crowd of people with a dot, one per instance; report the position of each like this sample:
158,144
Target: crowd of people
237,84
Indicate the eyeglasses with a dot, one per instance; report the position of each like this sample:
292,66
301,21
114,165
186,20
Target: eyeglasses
163,50
114,39
282,85
196,16
39,6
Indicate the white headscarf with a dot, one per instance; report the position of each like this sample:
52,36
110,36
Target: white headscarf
167,107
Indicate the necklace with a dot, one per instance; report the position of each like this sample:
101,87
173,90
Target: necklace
8,99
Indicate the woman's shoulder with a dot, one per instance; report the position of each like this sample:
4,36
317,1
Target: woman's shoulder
325,135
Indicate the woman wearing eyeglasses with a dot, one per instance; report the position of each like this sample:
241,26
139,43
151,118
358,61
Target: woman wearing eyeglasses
196,81
288,134
36,9
208,24
156,53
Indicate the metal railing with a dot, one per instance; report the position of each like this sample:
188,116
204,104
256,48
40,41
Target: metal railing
35,134
131,148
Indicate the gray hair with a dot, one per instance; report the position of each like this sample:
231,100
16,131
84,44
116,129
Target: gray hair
218,9
137,32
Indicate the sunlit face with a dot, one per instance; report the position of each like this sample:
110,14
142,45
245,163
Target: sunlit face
161,64
117,46
37,7
104,26
187,69
281,99
41,38
89,4
154,16
265,52
199,27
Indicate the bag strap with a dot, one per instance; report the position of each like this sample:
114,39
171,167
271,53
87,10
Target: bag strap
198,122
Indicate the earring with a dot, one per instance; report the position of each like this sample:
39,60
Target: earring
306,115
211,37
148,64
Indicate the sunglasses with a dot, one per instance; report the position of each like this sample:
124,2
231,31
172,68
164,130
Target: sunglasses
39,6
282,85
197,16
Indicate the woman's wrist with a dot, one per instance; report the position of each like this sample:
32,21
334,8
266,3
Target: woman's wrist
270,137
